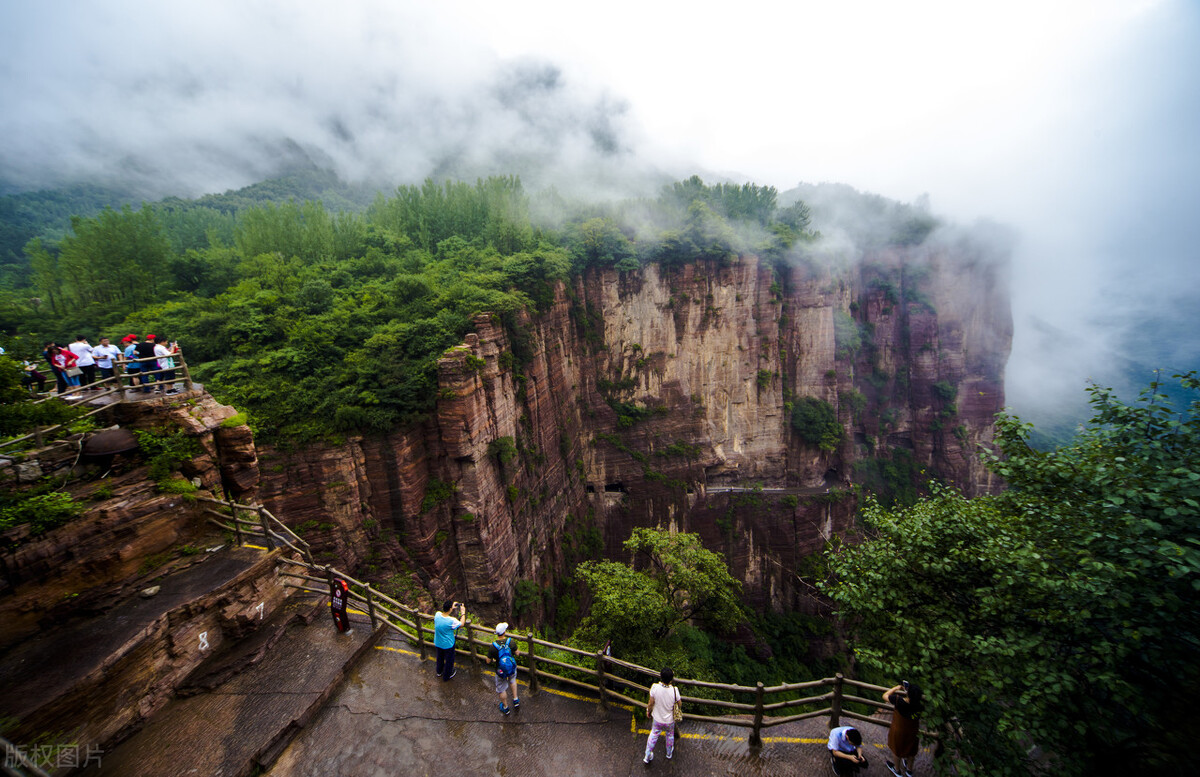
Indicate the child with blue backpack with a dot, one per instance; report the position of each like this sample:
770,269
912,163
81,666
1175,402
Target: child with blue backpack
504,652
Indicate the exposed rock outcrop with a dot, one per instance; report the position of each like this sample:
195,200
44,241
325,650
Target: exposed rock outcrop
634,394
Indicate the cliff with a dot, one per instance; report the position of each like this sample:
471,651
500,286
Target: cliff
636,398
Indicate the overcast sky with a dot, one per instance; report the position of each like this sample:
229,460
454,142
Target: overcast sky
1076,122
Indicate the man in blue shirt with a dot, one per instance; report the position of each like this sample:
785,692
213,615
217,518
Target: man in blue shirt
444,628
845,751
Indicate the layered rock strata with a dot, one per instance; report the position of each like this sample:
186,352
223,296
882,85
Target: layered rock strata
635,395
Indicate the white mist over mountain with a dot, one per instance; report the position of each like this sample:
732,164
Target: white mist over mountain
1074,122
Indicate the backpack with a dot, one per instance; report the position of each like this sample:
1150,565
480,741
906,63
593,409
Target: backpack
506,665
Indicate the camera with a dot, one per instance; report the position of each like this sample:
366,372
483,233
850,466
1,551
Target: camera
904,685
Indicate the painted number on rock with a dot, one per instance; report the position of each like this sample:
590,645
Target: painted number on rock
260,607
204,640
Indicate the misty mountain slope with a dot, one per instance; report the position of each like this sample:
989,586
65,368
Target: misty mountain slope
47,213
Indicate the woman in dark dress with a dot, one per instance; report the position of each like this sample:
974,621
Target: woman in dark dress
902,735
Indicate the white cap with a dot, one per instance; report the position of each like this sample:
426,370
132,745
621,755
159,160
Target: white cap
501,628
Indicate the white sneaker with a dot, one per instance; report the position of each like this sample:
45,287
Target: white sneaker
648,758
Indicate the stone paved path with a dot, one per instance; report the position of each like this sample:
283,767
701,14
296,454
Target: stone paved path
221,733
392,716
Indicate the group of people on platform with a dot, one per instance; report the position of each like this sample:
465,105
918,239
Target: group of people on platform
149,362
664,707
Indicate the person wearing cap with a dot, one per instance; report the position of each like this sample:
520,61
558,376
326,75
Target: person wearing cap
906,698
132,366
504,681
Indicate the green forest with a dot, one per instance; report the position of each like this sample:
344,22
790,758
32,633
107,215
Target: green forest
1061,612
319,320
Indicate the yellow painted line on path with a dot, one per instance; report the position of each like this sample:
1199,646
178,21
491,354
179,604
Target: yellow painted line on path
633,727
555,691
256,547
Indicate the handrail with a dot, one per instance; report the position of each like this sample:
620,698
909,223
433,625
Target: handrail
418,628
117,380
265,527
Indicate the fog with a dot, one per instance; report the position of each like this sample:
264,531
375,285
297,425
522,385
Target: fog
1073,123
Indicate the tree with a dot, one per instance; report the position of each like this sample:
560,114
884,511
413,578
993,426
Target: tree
1061,613
19,413
679,580
816,422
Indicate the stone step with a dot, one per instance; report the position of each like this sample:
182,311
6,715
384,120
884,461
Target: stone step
219,667
95,679
241,726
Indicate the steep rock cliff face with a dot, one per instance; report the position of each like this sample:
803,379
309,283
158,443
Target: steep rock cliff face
100,557
635,398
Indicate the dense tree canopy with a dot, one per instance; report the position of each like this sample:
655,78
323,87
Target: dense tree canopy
317,322
674,579
1061,614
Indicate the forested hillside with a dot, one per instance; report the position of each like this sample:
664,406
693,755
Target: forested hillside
317,318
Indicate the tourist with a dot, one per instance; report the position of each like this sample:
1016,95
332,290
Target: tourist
444,628
64,359
339,600
84,361
49,353
902,734
661,711
165,363
133,368
146,355
104,355
504,653
845,751
31,376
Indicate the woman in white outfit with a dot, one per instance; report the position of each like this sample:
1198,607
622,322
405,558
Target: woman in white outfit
661,711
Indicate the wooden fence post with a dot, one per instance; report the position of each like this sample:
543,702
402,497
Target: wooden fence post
835,706
600,679
533,675
117,373
187,374
755,738
471,644
266,527
237,527
420,634
370,605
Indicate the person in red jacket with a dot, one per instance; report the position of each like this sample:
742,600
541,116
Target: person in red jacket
339,598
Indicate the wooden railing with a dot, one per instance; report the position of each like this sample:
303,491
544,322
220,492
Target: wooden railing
265,526
543,661
116,385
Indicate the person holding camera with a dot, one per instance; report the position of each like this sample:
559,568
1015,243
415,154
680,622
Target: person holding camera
902,734
445,626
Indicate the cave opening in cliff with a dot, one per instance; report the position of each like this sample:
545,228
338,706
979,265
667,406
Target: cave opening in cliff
614,488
